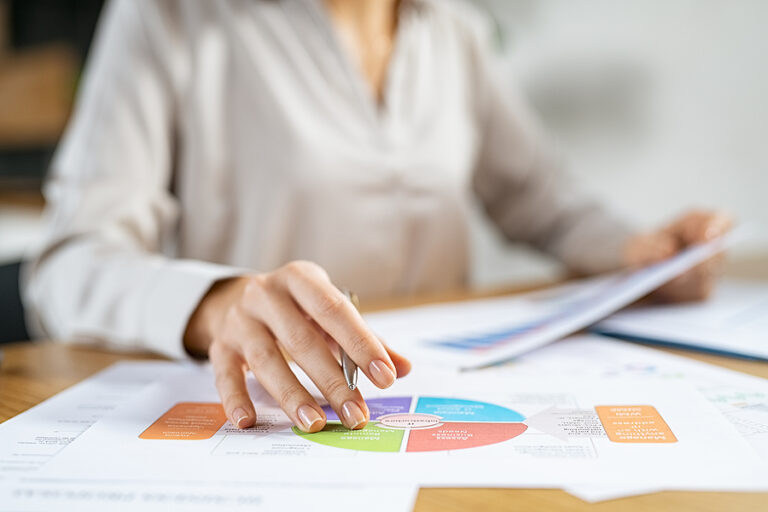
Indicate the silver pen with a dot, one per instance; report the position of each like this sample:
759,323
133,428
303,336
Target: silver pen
348,366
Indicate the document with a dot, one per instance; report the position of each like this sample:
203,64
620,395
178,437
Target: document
475,334
741,399
489,428
37,494
34,438
733,322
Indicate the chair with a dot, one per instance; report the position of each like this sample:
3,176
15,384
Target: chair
12,325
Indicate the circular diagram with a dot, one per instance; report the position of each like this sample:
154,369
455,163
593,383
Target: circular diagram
422,424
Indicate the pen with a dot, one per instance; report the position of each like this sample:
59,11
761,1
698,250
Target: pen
348,366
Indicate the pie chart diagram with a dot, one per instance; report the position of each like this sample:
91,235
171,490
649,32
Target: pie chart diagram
422,424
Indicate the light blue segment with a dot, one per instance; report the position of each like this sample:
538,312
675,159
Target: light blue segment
454,409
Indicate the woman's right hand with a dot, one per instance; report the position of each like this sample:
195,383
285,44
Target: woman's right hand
243,322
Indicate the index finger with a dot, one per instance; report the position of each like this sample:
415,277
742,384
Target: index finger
337,316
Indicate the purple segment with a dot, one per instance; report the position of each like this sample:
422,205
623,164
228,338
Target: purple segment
378,407
389,405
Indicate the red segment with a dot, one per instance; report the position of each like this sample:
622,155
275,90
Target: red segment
458,435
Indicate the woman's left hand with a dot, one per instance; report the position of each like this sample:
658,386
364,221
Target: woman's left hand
691,228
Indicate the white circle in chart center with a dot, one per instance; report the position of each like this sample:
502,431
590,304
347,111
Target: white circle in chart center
409,420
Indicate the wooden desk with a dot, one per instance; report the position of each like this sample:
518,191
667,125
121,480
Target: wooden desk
33,372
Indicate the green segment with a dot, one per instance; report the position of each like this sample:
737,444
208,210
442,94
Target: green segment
372,438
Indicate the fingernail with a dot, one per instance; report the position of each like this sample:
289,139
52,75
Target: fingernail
352,414
382,374
308,416
713,232
238,416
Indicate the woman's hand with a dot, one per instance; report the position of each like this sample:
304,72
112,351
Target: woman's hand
243,323
691,228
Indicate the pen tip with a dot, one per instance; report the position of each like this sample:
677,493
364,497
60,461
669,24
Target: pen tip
352,387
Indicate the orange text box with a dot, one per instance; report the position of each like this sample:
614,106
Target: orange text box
634,424
187,420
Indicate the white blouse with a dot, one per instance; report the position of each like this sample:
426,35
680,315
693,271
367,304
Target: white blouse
215,138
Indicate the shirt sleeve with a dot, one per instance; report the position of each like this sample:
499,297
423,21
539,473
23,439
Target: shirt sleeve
100,273
520,182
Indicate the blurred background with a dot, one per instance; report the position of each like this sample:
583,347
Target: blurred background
658,105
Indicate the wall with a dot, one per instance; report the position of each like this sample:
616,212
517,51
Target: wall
660,104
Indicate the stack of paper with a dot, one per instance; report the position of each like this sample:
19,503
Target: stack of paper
733,322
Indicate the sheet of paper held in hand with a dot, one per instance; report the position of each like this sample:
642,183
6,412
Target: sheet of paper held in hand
487,428
479,333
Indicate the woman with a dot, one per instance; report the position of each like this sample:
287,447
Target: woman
228,159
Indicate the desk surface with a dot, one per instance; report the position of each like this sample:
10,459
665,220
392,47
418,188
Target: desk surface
33,372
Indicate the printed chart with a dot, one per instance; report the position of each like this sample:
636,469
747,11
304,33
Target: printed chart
558,305
572,301
476,334
422,424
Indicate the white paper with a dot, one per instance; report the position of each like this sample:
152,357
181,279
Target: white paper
193,496
734,321
34,438
532,432
598,493
474,334
742,399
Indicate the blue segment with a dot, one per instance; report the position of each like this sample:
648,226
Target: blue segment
488,339
456,344
454,409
